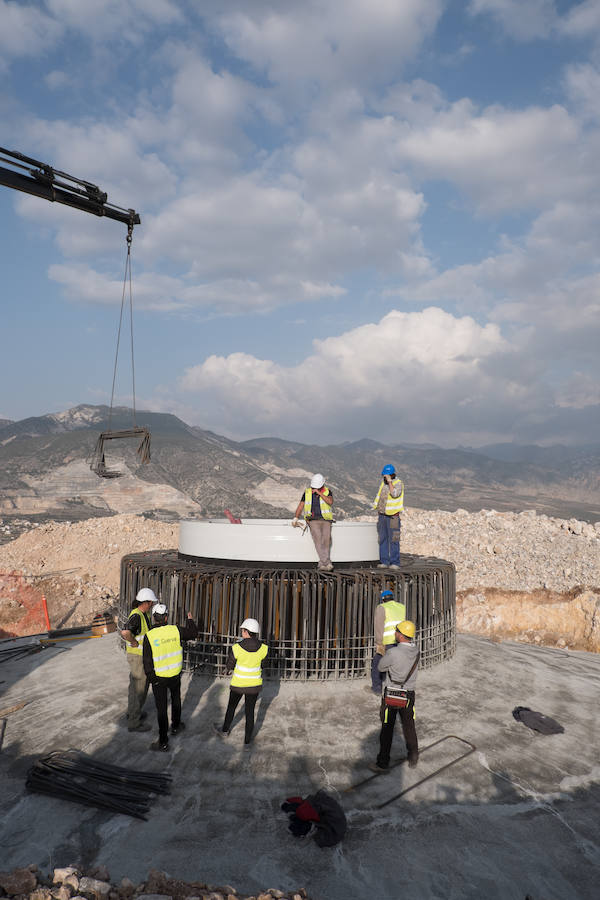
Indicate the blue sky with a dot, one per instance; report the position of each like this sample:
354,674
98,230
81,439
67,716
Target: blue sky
360,218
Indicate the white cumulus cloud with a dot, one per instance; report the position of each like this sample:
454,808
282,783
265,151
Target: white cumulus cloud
407,371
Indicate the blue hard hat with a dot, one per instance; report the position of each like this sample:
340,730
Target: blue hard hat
388,470
387,593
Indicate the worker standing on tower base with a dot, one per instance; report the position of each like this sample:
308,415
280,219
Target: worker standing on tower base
315,507
389,503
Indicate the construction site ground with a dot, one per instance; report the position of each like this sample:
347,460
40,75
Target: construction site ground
517,817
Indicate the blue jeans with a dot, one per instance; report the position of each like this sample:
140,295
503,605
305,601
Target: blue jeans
388,533
377,677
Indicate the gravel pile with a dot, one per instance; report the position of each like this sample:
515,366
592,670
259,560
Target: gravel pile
506,550
70,883
76,565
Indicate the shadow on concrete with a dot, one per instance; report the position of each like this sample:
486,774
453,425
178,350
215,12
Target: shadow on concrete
501,824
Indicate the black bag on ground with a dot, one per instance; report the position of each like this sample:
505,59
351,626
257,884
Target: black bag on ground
537,721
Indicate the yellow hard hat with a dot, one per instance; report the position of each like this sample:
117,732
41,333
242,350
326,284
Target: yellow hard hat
407,628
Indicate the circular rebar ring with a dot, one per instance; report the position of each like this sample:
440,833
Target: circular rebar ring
317,624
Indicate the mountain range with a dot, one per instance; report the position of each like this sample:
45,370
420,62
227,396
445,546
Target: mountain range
44,472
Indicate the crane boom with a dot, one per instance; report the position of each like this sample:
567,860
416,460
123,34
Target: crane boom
42,180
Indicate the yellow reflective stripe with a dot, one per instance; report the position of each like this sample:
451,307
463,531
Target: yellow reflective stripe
168,655
166,666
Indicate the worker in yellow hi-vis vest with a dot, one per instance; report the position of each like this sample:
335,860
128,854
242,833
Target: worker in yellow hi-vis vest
315,507
138,623
389,503
245,659
388,612
163,662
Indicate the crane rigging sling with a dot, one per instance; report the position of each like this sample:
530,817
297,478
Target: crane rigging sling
98,461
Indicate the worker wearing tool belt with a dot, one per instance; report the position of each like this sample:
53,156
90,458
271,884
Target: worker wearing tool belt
315,508
138,623
163,662
389,503
245,659
400,665
388,613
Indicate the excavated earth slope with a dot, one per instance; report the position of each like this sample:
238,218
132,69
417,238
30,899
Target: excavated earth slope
519,575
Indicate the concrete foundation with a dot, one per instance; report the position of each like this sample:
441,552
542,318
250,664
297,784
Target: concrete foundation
518,817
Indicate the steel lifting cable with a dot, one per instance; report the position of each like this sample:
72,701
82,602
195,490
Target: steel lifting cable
126,276
98,463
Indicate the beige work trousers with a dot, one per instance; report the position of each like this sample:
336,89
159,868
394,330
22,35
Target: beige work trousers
138,690
320,531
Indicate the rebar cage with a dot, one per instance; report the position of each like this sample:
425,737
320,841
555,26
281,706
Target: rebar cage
318,625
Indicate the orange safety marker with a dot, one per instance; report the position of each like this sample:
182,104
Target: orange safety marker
45,608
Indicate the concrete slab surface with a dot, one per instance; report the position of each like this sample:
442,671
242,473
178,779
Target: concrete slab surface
518,816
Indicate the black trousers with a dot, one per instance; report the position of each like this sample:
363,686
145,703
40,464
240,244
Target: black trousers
249,704
386,735
161,690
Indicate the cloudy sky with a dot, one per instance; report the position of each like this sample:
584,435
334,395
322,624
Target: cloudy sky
360,218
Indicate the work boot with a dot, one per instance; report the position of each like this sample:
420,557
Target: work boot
219,731
379,770
175,729
143,726
161,748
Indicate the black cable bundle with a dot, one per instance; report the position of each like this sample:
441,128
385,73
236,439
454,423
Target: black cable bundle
72,775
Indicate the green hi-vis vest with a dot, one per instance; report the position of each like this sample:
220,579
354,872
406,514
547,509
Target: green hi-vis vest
393,505
395,612
326,510
137,651
248,672
167,653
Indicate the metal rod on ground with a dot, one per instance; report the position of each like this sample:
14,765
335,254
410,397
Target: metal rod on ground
12,709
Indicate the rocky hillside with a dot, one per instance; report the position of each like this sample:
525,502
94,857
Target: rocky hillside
519,575
44,472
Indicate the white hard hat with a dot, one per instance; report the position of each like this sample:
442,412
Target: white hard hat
250,625
146,595
317,481
159,609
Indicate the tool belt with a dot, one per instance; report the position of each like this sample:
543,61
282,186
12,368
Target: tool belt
395,697
394,693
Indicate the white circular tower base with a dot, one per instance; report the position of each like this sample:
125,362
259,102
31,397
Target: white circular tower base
274,540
